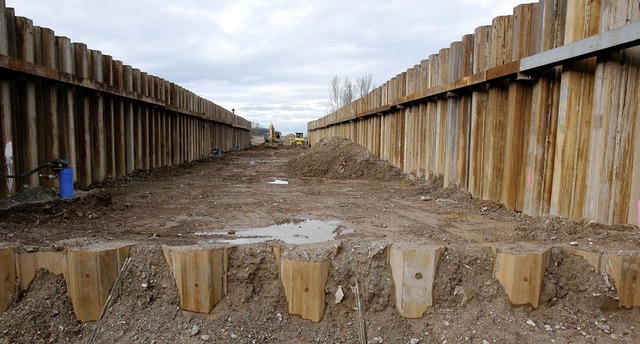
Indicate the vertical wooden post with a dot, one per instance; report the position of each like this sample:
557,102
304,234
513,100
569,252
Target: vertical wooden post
634,192
153,125
159,125
452,115
137,120
442,73
169,122
109,118
27,121
83,118
129,126
399,138
153,129
175,138
481,48
67,105
119,121
98,123
517,115
464,124
145,120
7,147
430,115
501,53
50,120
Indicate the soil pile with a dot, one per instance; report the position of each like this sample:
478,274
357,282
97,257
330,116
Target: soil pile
29,194
42,314
340,158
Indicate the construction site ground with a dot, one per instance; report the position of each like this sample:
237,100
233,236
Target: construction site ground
335,181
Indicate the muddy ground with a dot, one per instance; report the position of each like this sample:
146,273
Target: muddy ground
375,205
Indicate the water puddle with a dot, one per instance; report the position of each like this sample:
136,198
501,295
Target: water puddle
295,233
279,182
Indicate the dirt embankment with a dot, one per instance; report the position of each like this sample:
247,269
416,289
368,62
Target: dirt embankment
340,158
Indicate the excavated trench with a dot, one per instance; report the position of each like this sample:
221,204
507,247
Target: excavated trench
188,258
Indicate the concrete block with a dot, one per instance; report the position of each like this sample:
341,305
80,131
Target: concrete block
304,285
200,273
521,273
413,270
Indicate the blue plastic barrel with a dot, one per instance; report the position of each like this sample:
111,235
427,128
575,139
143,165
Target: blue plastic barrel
66,183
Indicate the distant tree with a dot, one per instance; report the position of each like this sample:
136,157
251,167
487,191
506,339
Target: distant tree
347,92
258,130
341,93
335,98
363,85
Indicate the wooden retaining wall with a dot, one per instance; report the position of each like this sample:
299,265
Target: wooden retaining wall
61,99
538,111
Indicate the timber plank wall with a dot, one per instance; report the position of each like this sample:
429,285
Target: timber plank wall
538,111
60,99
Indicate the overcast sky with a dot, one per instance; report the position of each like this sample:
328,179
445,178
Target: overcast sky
271,60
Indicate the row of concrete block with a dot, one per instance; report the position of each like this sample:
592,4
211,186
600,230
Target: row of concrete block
201,274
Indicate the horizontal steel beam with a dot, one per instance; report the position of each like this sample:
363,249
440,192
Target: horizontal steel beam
618,39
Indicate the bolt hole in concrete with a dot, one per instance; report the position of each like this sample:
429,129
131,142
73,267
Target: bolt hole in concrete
419,276
526,280
295,233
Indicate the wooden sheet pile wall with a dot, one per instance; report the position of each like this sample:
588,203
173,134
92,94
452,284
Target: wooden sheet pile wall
564,140
59,99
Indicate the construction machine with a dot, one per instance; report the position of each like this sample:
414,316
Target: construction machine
274,137
300,140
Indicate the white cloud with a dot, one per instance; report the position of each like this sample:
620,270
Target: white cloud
288,18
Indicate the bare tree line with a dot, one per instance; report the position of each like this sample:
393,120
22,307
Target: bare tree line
343,92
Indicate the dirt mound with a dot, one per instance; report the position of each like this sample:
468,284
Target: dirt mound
29,194
42,314
340,158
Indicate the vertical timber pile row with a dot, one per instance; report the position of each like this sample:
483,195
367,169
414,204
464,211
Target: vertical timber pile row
59,99
561,139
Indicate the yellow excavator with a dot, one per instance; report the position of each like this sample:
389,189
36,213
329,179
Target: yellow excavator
274,137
